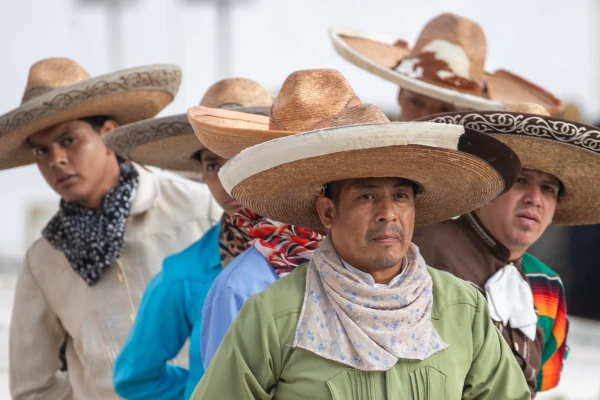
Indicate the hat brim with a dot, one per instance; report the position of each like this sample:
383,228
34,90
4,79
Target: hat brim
380,54
285,185
227,133
167,142
565,149
126,96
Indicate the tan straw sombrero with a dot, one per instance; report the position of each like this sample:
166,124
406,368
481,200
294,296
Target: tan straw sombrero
446,63
169,142
59,90
307,100
568,150
282,178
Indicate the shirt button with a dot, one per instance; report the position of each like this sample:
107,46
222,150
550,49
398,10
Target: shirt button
120,276
132,317
516,346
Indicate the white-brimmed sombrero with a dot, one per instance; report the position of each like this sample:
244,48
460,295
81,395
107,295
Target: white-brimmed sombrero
359,143
169,142
446,63
568,150
59,90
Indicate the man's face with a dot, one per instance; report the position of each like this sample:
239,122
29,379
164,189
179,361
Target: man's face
211,164
414,106
75,162
520,216
371,221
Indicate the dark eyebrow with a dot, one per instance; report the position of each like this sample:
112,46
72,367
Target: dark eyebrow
210,158
402,183
56,139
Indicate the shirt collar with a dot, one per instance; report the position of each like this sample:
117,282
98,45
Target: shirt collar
146,192
499,251
368,278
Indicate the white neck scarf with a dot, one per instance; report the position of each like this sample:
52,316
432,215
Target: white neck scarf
510,300
369,328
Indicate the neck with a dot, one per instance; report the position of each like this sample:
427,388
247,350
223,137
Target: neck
386,275
511,252
95,200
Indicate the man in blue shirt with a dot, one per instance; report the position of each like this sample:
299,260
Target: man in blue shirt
171,309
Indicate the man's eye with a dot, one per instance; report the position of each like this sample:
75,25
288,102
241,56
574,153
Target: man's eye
521,180
401,196
366,196
38,152
416,102
212,167
549,189
67,141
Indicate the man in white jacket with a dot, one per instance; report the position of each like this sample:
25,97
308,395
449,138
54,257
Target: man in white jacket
82,281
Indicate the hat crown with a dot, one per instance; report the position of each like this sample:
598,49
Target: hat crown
466,36
528,108
360,114
51,73
236,92
309,98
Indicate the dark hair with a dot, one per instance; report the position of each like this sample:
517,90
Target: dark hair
332,189
96,122
197,156
561,191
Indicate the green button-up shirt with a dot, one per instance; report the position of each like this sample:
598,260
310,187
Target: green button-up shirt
256,359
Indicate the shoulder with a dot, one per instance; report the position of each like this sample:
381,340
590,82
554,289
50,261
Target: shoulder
439,229
248,273
448,290
182,193
191,259
534,266
42,254
286,296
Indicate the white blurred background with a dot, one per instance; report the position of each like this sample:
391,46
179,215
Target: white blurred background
554,43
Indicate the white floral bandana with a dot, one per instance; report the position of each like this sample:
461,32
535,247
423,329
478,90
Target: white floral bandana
369,328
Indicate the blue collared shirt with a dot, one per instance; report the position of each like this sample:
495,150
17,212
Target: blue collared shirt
248,274
170,312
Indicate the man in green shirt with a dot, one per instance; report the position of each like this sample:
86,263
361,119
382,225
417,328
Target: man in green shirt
366,318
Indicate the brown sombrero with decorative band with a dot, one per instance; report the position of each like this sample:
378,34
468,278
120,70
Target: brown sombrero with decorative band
568,150
446,63
59,90
317,95
169,142
360,142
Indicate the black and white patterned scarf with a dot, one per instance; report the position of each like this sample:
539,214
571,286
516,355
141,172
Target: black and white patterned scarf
93,239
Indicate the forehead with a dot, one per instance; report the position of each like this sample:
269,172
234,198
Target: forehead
374,183
540,176
49,134
208,155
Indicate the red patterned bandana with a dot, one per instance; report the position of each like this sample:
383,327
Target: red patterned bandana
285,246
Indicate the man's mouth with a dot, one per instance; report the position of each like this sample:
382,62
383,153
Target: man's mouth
387,238
65,180
528,218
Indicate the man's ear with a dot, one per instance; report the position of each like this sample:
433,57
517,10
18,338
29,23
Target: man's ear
108,126
327,211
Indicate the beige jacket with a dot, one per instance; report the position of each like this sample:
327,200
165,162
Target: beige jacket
52,302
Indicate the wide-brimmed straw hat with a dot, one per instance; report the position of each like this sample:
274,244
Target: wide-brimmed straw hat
169,142
59,90
446,63
282,178
315,95
568,150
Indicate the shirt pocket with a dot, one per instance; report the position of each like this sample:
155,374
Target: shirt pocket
352,385
427,383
